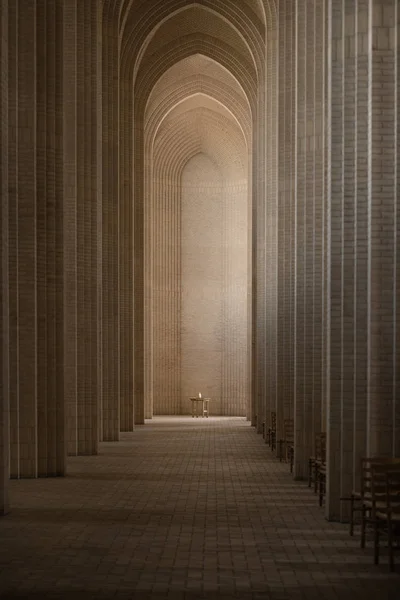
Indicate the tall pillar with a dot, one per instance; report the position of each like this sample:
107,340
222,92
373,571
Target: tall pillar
49,245
318,177
396,448
26,448
138,273
110,319
13,235
131,363
361,329
264,402
4,297
342,218
309,211
285,380
383,249
36,312
70,225
266,222
125,305
81,191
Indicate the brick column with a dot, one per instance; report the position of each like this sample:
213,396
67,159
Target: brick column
134,404
265,237
70,225
318,177
268,127
49,241
383,183
111,257
26,448
88,122
138,272
287,55
264,403
397,272
303,312
126,299
36,343
81,225
361,329
4,295
341,249
129,402
309,211
13,234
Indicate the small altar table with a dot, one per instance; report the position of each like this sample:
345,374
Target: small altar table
195,400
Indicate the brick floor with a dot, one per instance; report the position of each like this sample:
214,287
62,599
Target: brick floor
184,509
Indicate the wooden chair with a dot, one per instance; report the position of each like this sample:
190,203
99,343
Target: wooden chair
320,471
315,460
385,507
286,445
271,432
361,499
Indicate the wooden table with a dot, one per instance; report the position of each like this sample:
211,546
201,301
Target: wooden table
195,400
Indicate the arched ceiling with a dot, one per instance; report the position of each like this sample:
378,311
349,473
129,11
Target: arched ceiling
195,29
190,22
206,128
256,9
157,33
197,77
185,47
197,66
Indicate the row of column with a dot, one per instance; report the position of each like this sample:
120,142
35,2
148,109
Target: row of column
59,280
362,316
338,345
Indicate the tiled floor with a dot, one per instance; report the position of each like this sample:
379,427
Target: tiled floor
181,508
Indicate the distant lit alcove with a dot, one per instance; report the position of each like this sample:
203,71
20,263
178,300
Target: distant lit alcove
197,247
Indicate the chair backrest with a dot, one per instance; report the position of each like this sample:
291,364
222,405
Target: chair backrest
384,483
273,421
377,466
288,426
393,489
323,447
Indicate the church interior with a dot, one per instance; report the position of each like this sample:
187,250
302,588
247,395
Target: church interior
199,208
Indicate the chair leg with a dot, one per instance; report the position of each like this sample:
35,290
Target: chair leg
352,515
316,475
310,466
363,524
321,489
390,544
376,542
280,451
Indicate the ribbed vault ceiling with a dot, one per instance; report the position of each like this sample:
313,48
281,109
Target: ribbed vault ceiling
190,22
189,130
204,82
